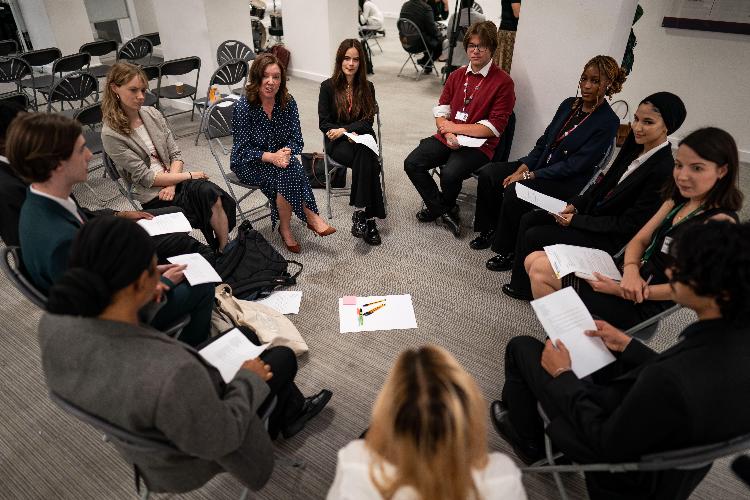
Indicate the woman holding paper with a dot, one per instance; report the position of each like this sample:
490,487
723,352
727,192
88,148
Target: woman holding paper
97,356
141,145
705,188
562,161
347,105
692,394
615,207
427,439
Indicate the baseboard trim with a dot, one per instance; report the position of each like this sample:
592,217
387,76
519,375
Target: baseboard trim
308,75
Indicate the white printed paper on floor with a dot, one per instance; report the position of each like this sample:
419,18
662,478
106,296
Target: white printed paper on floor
166,224
470,142
583,261
396,313
541,200
198,270
229,351
285,302
564,316
366,139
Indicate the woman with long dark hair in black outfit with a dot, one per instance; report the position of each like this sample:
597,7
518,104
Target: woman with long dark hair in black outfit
347,104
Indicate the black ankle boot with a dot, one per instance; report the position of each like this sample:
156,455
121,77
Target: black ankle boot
372,236
359,224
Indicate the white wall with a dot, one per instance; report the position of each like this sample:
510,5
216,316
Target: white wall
57,23
34,14
553,42
709,71
145,16
490,8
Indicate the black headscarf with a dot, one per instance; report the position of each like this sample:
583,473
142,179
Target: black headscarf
670,107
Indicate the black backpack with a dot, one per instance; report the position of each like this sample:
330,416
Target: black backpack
252,267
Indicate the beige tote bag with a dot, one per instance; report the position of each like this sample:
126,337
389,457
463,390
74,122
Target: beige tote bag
269,325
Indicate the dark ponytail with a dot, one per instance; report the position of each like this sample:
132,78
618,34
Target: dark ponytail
108,254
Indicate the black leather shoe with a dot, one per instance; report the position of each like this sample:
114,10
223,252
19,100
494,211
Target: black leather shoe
425,215
526,451
516,294
452,223
484,240
372,236
455,212
359,224
313,405
500,262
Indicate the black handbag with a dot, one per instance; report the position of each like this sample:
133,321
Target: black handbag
314,166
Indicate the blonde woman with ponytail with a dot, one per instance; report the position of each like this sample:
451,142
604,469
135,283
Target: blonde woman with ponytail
427,439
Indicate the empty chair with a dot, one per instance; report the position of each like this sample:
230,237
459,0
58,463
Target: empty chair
14,70
66,65
73,89
152,73
233,49
38,59
8,48
16,99
91,118
178,67
98,49
135,50
230,73
155,40
413,42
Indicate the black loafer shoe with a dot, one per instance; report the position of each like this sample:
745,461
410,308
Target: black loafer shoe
313,405
453,224
425,215
372,236
500,262
359,224
527,452
484,240
516,294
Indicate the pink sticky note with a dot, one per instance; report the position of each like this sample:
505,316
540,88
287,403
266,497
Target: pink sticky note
350,300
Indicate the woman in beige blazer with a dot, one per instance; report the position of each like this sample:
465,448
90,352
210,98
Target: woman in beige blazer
139,142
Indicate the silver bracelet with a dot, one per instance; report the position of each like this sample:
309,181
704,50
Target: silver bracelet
560,370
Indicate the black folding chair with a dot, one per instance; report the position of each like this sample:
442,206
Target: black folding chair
178,67
17,100
233,49
99,49
413,42
125,188
38,59
155,40
135,50
72,89
14,70
66,65
229,73
8,48
13,267
152,73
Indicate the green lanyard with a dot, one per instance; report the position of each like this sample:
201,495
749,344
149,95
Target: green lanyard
667,220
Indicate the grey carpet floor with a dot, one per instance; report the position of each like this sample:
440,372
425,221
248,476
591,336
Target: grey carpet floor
45,454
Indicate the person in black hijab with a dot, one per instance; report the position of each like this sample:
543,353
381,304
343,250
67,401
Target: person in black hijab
609,213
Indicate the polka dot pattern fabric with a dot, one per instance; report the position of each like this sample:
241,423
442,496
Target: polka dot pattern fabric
255,133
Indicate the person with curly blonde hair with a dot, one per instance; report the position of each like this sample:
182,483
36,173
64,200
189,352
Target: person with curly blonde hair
427,439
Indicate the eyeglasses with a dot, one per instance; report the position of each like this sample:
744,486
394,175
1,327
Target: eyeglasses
472,47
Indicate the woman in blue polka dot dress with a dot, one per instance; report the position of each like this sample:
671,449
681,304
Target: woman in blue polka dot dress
267,140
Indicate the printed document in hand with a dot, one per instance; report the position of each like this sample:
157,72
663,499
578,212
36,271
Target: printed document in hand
470,142
396,314
366,139
565,317
286,302
228,351
566,259
165,224
541,200
198,270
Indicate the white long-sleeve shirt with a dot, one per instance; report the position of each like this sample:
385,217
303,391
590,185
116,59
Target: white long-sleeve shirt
371,16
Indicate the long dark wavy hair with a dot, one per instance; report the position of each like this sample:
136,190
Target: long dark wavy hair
363,100
252,89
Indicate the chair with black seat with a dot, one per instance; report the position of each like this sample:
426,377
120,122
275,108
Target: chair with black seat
99,49
8,48
74,89
125,188
13,267
39,59
152,74
91,118
413,42
233,49
67,65
217,125
17,100
135,50
230,73
15,70
178,67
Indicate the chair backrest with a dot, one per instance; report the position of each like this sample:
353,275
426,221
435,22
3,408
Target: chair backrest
8,47
219,119
41,57
601,167
13,266
230,73
17,100
90,115
502,150
154,38
410,36
73,62
183,66
476,7
233,49
73,87
100,48
135,48
12,69
110,168
152,72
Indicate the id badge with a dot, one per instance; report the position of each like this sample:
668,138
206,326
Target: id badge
667,243
462,116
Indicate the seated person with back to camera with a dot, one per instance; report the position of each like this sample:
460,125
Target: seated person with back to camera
423,17
477,101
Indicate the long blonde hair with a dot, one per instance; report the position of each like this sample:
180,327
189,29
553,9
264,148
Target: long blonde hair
429,423
112,114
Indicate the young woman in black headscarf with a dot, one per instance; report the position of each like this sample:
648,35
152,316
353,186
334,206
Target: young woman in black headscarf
609,213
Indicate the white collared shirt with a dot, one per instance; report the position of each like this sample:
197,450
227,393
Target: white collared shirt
483,71
641,160
4,159
68,204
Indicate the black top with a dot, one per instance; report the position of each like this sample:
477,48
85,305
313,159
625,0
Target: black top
508,21
328,115
421,14
12,196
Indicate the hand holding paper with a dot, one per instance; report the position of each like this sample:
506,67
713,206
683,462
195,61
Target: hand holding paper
198,269
365,139
165,224
229,352
470,142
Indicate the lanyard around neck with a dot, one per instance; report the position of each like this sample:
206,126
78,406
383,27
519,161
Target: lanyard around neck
668,220
467,100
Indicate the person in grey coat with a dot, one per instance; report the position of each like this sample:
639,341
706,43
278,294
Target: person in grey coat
96,356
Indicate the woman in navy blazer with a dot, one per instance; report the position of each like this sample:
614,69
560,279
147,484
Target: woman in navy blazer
562,161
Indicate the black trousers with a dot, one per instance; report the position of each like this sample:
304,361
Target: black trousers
538,229
366,189
525,382
457,165
619,312
490,193
436,49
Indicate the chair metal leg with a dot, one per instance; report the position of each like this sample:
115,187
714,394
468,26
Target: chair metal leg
551,461
328,186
